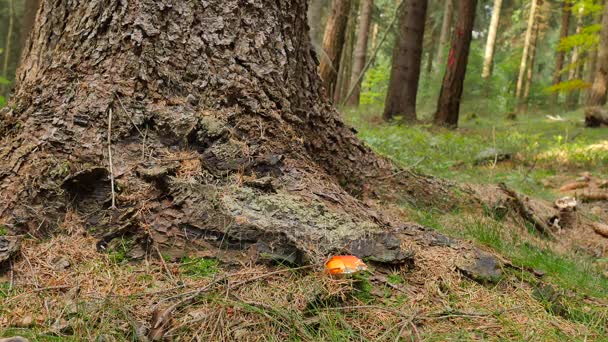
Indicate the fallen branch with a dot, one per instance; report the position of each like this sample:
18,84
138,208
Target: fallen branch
527,213
600,229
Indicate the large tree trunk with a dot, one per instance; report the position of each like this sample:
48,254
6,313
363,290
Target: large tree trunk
446,28
563,33
524,55
333,43
365,19
7,45
448,104
491,42
407,58
211,121
597,93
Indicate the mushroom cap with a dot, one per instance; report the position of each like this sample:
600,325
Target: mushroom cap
344,264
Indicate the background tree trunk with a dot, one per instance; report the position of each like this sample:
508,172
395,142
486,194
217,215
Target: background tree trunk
597,93
365,18
573,74
407,58
346,61
559,62
29,16
491,41
333,43
446,28
7,45
448,104
524,56
374,35
531,62
217,124
315,11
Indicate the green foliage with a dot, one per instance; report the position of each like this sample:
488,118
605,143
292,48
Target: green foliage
198,267
587,40
567,86
375,83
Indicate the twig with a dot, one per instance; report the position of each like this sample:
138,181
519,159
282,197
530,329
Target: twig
495,150
110,158
162,261
128,114
405,169
374,54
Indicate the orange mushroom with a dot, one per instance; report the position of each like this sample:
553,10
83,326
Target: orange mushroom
344,264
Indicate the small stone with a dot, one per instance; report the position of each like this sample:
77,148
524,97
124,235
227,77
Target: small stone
26,322
61,264
14,339
490,155
480,266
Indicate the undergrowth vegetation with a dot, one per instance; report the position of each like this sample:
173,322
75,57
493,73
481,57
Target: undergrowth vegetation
539,149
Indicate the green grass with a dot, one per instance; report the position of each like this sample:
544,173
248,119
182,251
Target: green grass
540,147
574,272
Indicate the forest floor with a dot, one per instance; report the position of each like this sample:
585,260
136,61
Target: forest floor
63,290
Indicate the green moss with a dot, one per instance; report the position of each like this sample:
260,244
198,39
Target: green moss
198,267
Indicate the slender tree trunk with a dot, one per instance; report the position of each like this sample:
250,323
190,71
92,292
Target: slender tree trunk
446,28
491,42
315,11
597,93
407,58
374,35
448,104
7,45
365,18
346,62
333,43
572,96
241,143
524,56
559,63
531,63
29,16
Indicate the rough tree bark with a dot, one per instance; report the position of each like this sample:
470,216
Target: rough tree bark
211,121
7,45
563,33
407,60
448,104
597,93
365,19
524,55
333,43
446,28
491,42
